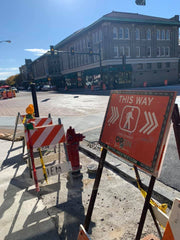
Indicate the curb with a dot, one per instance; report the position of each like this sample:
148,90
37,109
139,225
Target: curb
161,198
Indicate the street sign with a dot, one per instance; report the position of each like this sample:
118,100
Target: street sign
53,169
136,126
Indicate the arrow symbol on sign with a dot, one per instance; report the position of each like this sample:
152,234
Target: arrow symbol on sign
151,123
114,115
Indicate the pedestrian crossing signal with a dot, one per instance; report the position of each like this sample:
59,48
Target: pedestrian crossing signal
141,2
90,52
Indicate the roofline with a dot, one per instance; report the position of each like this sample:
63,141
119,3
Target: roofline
114,19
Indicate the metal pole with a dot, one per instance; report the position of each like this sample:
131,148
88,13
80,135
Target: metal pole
145,208
176,126
34,97
95,189
100,61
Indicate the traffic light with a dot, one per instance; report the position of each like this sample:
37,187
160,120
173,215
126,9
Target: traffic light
72,51
90,52
141,2
52,50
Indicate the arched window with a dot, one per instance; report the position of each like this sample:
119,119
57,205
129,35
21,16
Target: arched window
115,33
126,33
137,34
158,34
121,33
148,34
167,35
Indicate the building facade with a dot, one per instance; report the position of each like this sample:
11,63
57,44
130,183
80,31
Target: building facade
117,51
26,72
135,50
46,70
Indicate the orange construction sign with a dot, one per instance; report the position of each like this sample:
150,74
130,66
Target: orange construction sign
83,234
136,126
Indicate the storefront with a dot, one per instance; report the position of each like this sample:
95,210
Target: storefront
114,77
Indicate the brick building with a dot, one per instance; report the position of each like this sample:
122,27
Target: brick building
126,49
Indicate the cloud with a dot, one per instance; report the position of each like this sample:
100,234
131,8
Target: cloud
9,69
7,72
36,51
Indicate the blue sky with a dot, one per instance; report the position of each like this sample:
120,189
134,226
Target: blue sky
34,25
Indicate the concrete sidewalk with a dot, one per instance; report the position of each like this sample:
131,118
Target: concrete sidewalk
64,201
22,215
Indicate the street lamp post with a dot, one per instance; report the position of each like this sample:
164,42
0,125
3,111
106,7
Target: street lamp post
8,41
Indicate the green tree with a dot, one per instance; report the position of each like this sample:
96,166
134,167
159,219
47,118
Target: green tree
14,80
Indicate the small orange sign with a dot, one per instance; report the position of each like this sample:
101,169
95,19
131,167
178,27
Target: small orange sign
83,234
136,126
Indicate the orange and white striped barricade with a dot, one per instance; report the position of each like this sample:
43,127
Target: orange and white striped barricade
172,231
41,137
83,234
45,136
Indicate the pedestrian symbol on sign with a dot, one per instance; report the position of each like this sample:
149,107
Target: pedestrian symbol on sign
129,118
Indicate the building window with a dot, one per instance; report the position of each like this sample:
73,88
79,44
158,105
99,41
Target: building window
149,65
121,51
168,65
115,51
163,35
137,51
167,51
159,65
167,35
148,34
121,33
94,37
140,66
163,51
149,51
158,34
127,51
137,34
158,52
97,37
126,33
115,33
100,35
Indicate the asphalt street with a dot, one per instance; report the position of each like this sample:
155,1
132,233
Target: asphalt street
59,212
85,113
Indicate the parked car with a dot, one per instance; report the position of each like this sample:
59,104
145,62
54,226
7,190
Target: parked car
46,88
15,89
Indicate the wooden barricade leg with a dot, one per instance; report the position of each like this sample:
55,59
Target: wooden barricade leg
15,129
150,207
95,189
145,208
176,126
33,163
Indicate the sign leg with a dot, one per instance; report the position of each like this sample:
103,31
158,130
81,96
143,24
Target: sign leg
95,189
145,208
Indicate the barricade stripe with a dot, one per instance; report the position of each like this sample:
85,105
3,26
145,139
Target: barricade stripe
60,136
39,135
168,235
51,136
43,121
